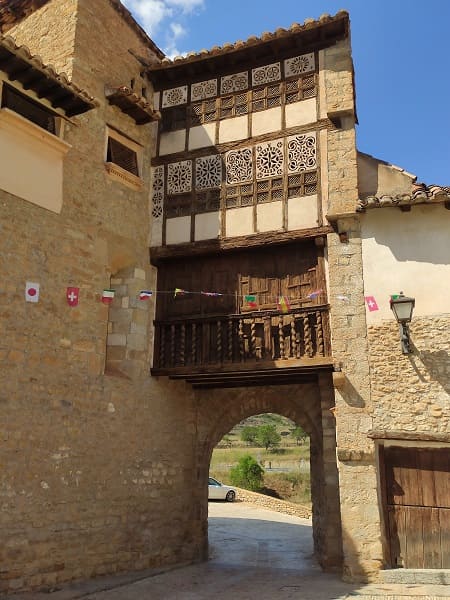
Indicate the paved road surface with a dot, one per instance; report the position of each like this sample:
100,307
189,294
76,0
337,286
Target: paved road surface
256,554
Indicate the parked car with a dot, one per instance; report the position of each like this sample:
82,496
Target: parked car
219,491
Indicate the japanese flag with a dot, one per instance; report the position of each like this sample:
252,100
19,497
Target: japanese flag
32,291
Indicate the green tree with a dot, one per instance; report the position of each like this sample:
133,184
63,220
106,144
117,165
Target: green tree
268,436
299,435
247,474
249,434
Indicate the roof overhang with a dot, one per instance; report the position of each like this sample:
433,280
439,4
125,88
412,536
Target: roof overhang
21,66
309,36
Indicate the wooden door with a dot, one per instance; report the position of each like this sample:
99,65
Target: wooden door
417,506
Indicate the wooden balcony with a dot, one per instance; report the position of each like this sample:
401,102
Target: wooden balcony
256,343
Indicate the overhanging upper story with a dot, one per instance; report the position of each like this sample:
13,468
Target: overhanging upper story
240,196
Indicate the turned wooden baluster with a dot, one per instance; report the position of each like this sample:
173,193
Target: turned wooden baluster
252,349
219,341
307,334
172,345
281,336
298,347
267,337
162,346
293,338
241,340
194,344
182,344
230,339
319,334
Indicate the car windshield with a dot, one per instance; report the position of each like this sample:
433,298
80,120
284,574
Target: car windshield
212,481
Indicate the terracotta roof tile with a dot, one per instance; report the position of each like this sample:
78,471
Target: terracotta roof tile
419,194
34,72
253,40
137,107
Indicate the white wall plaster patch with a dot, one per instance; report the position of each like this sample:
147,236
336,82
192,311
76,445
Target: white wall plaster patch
203,89
234,83
299,65
239,165
302,152
266,74
208,172
269,159
175,96
179,177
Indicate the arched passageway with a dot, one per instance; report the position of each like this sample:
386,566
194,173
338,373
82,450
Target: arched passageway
306,404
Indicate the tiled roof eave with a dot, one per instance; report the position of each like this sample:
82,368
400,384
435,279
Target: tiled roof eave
20,65
421,194
137,107
324,30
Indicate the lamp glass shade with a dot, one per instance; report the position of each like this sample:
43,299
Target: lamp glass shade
402,307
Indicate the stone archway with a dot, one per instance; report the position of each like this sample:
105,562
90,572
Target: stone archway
307,404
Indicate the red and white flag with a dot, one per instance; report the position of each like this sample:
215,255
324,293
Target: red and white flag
108,296
371,303
72,296
31,291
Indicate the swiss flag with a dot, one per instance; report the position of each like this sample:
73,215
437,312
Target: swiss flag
371,303
72,295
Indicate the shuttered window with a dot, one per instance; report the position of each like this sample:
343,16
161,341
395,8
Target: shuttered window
28,108
122,156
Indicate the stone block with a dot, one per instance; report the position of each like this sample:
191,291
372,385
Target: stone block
116,339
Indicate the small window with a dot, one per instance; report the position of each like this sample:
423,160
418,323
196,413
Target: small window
122,156
28,108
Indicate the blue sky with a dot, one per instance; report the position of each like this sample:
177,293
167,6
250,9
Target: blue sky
400,50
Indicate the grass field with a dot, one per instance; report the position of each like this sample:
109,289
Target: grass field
286,468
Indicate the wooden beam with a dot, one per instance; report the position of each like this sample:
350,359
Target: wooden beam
159,254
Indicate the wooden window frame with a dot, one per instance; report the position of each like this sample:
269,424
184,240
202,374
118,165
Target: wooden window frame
28,108
119,170
300,88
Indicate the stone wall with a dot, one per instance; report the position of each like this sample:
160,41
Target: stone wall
357,472
411,393
98,469
50,33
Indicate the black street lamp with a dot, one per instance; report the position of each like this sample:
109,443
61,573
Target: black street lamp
402,307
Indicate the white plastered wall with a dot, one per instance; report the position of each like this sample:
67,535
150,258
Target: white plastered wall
239,221
266,121
231,130
301,113
202,136
408,252
178,230
174,141
302,212
269,217
207,226
26,148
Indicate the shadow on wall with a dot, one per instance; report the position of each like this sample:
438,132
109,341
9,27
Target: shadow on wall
437,365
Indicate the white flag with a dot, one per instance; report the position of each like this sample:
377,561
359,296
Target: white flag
32,292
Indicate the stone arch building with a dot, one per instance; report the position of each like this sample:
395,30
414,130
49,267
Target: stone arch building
222,198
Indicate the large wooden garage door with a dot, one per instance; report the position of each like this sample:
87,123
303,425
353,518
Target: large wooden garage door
417,506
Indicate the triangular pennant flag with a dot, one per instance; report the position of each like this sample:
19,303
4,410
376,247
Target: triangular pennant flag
250,300
283,304
145,294
108,296
211,294
179,292
31,291
314,294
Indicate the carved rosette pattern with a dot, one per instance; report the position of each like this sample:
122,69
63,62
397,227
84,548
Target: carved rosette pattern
157,192
299,65
239,165
269,159
208,172
302,152
179,177
175,96
234,83
266,74
204,89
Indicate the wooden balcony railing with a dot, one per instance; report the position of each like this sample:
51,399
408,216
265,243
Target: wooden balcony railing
249,337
